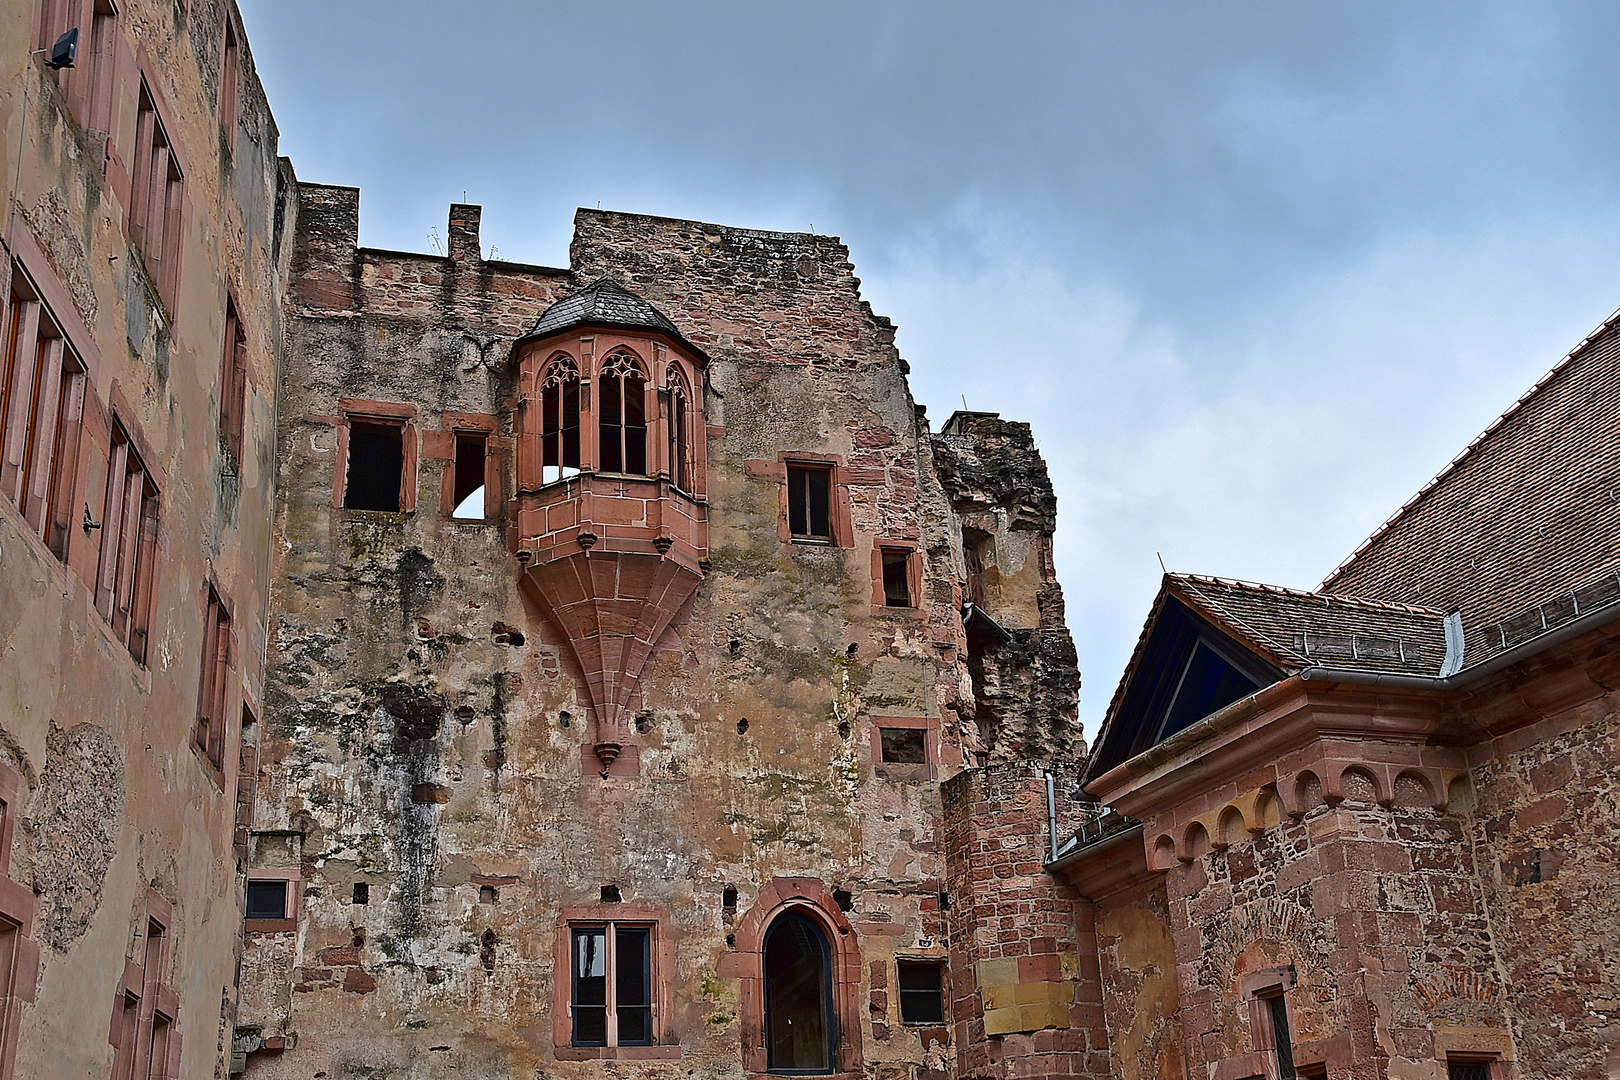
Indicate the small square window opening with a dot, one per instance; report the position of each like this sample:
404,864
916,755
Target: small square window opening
922,991
897,578
376,466
362,893
810,502
469,490
267,898
904,746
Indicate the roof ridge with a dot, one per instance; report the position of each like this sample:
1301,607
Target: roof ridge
1468,451
1362,601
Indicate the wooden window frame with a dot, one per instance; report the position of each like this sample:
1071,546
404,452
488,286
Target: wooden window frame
843,530
661,982
1265,991
912,553
391,413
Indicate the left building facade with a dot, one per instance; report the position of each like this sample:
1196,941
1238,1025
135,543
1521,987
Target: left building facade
140,284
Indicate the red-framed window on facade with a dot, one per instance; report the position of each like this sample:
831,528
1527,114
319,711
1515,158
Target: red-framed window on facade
129,535
42,390
88,84
622,414
145,1025
157,199
212,723
233,385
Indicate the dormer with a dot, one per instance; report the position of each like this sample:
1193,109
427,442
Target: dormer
612,522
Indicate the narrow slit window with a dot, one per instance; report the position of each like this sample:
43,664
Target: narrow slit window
904,746
809,502
897,578
922,991
680,440
267,898
1277,1007
228,68
469,500
233,385
376,466
559,421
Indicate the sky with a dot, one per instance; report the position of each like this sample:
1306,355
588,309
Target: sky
1254,272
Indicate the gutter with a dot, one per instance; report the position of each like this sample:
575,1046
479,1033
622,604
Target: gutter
1601,617
1132,833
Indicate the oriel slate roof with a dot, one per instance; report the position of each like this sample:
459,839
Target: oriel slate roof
1529,510
604,303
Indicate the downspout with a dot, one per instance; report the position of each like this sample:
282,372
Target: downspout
1051,815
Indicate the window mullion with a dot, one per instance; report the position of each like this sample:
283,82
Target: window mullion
20,399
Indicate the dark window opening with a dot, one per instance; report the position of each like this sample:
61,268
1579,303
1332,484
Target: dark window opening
611,894
623,416
209,731
612,988
487,894
809,502
559,421
1278,1008
904,746
799,1017
1208,683
267,899
844,899
978,550
728,898
468,500
922,991
1468,1070
362,893
376,467
897,578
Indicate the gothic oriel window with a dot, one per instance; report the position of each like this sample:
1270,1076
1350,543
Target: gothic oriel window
622,409
680,437
559,420
801,1030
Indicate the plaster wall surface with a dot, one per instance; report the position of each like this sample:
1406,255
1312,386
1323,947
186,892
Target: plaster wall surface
113,806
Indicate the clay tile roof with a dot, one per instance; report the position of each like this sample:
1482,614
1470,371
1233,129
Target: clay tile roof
1295,630
604,302
1530,510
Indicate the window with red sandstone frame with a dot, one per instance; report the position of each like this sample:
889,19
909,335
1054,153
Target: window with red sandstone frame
611,981
88,84
233,385
680,436
210,730
157,195
129,534
229,65
145,1040
559,420
42,390
622,415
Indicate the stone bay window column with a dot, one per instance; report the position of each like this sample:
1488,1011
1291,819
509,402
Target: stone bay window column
610,510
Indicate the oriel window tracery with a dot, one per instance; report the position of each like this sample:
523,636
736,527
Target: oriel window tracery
680,438
559,423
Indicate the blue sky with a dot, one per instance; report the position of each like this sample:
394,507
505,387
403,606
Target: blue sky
1254,272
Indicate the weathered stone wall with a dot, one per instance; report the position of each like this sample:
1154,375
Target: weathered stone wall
1140,995
1546,826
1024,670
1027,997
427,731
113,802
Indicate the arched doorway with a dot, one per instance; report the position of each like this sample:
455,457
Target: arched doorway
800,1021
